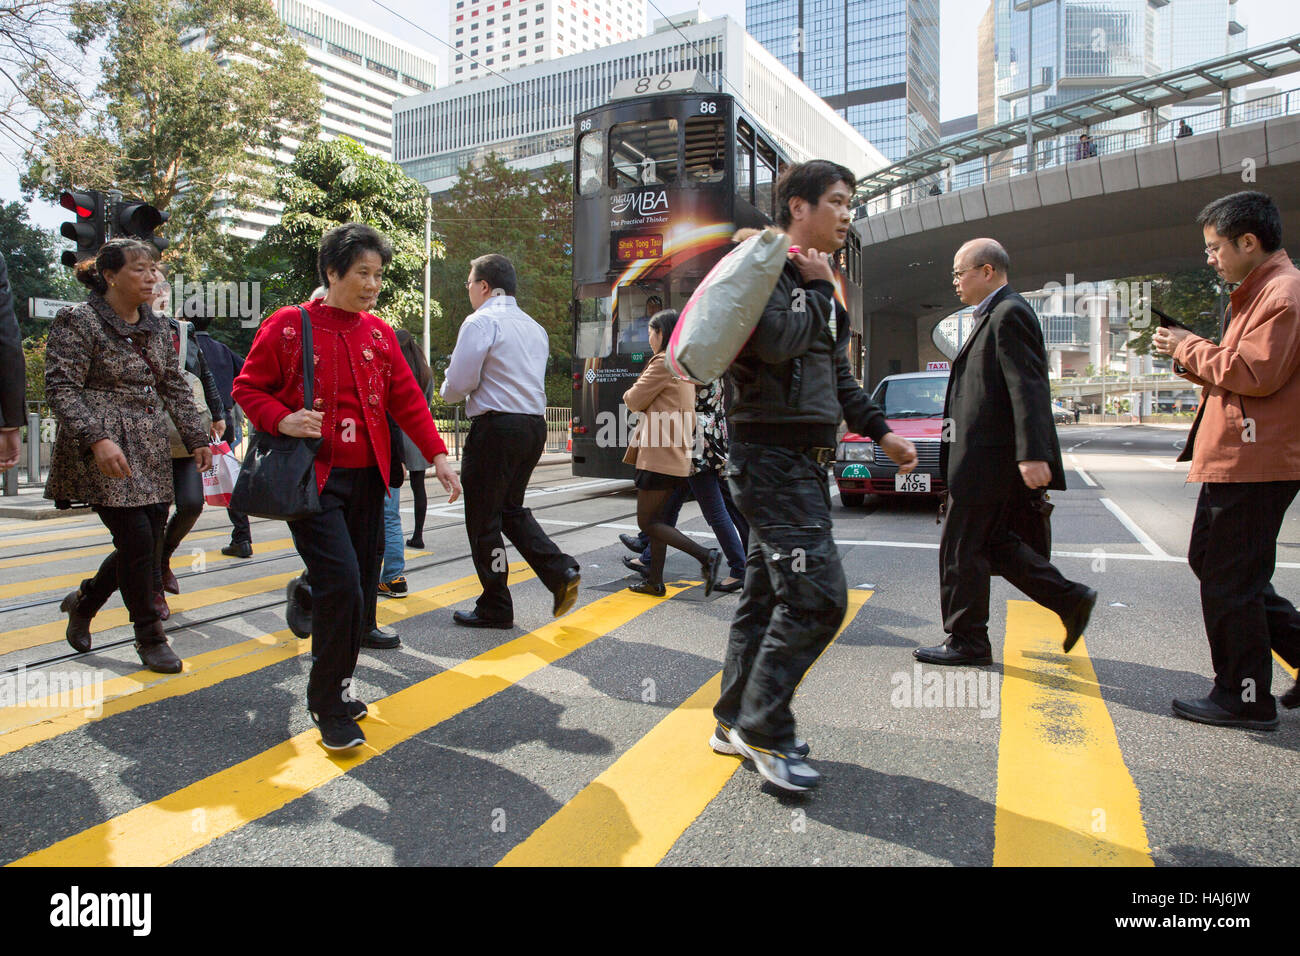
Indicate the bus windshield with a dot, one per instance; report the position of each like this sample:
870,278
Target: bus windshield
635,306
595,328
643,154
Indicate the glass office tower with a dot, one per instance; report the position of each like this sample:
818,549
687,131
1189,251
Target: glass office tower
876,62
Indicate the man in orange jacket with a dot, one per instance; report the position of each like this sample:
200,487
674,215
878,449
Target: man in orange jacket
1245,448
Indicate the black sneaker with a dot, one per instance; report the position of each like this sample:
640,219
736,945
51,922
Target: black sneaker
721,743
357,709
339,733
779,767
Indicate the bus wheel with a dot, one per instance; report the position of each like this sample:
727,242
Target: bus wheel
851,501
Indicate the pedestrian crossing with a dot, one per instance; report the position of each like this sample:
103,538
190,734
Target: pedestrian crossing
1065,794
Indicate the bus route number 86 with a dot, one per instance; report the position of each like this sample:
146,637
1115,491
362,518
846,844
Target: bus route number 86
643,84
708,106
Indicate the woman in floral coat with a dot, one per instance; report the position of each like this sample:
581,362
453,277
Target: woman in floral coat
112,378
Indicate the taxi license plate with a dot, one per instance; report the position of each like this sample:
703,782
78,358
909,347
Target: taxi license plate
914,482
855,471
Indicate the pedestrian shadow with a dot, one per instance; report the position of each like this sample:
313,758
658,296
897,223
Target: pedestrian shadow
1184,855
39,807
643,673
515,716
869,627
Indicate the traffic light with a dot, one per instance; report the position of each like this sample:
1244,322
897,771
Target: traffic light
88,229
138,220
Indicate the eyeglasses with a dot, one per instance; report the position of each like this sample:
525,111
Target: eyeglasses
1213,248
958,273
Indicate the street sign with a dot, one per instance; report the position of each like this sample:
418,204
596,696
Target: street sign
46,308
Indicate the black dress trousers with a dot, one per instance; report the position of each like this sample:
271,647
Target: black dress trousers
1232,551
501,452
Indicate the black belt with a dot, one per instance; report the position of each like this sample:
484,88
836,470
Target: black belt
506,414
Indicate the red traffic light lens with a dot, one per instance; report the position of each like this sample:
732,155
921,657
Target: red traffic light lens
68,201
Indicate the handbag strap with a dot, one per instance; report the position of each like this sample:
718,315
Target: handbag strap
308,363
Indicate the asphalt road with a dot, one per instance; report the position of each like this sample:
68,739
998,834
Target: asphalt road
585,739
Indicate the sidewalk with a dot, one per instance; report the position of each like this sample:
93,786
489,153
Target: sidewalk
30,504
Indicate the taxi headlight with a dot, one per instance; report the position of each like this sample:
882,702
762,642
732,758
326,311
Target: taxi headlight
855,451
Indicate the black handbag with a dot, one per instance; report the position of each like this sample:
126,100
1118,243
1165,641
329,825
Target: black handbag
278,476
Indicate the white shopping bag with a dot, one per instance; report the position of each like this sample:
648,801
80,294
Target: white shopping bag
720,317
219,480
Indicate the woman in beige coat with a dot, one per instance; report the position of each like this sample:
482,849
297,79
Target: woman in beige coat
660,450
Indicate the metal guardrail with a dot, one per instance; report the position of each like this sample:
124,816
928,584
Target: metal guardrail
883,189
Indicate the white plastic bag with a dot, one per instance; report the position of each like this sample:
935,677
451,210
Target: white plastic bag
219,480
724,311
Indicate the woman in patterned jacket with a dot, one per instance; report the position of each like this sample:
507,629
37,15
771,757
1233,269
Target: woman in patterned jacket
112,378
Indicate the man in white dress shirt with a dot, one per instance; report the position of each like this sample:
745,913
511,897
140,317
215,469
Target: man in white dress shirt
499,368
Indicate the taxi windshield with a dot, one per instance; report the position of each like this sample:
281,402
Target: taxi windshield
912,397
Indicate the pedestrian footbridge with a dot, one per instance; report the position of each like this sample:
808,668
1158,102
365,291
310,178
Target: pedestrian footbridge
1129,210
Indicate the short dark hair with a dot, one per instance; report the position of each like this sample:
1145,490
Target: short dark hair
112,256
665,321
497,271
1247,211
342,245
808,181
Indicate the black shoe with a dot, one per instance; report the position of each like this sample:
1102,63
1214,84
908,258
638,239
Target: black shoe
381,638
721,743
415,542
731,588
634,564
357,709
339,733
471,619
632,543
395,588
78,632
1290,700
1206,711
712,570
566,595
946,654
1077,619
645,587
297,612
238,549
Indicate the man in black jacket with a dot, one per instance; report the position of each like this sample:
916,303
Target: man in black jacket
999,451
792,386
13,376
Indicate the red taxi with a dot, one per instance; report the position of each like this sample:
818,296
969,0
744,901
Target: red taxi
913,404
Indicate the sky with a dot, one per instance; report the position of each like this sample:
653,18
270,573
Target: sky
1265,20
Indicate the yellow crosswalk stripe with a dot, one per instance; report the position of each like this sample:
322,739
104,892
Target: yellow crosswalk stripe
45,718
60,582
165,830
94,531
1064,796
89,551
633,813
52,632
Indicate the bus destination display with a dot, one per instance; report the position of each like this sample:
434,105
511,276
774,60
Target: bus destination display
630,248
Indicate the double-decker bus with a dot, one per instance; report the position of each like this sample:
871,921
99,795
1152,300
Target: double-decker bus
664,174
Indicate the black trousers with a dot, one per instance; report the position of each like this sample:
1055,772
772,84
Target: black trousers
339,546
795,594
129,568
979,540
1232,552
501,452
187,483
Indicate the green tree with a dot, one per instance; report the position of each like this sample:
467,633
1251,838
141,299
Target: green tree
1191,296
184,127
528,219
33,269
330,183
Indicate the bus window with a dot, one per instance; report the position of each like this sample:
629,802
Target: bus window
706,150
595,332
764,179
635,306
643,154
744,172
591,160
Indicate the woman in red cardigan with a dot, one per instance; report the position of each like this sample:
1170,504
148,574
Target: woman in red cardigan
361,378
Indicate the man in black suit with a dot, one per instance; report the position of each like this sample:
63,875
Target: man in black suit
999,451
13,376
